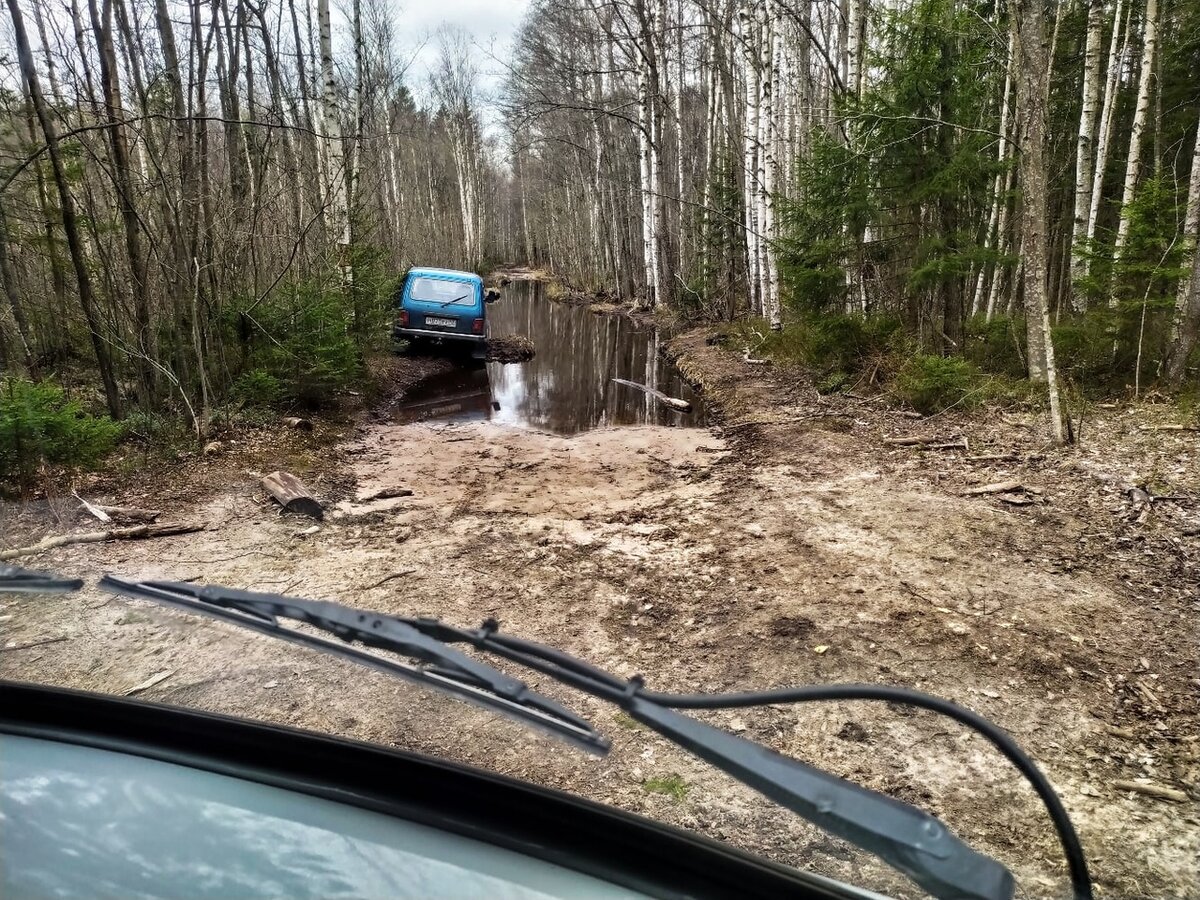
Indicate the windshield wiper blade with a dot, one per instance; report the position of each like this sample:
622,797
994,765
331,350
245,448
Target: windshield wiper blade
455,300
907,838
440,667
14,579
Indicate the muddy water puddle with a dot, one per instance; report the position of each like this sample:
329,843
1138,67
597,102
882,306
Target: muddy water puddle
568,386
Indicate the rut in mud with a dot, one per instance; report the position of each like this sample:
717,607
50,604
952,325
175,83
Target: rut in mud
705,558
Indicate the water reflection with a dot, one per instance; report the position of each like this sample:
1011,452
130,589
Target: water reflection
567,387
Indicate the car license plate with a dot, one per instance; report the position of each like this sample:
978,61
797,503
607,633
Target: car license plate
440,323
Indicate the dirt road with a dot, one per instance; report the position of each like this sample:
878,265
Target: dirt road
796,550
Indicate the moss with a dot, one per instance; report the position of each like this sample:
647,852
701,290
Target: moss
672,785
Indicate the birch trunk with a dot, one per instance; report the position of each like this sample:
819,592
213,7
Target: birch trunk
1185,324
338,200
1084,150
1116,62
750,154
999,203
1133,161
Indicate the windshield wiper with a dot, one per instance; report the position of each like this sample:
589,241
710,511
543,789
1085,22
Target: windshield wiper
907,838
14,579
440,666
455,300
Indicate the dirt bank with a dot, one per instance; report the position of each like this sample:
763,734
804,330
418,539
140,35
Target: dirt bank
789,545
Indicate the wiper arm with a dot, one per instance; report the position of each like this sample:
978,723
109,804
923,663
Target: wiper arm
907,838
455,300
14,579
440,667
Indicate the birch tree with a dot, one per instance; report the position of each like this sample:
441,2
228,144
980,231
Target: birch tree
1141,113
1085,151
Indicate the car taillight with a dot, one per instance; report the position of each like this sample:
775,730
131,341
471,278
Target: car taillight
477,326
403,318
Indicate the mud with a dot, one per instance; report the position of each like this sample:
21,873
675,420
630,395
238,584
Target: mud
788,545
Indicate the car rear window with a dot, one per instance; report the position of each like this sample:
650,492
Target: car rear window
438,290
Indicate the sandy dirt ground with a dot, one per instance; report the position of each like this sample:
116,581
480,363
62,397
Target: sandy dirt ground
787,545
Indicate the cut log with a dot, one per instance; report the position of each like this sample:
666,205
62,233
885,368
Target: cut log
292,495
135,532
673,402
297,423
387,493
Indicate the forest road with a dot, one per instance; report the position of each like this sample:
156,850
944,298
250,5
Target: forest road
797,550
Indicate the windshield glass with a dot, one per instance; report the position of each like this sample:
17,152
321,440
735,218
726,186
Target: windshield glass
438,290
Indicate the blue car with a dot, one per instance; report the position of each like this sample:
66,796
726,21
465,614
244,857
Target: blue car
440,305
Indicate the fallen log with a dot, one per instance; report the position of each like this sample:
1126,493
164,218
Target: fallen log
292,495
129,513
1169,427
297,423
673,402
134,532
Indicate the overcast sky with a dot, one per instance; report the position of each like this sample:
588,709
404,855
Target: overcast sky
491,25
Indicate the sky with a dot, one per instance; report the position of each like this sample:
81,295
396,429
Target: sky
491,25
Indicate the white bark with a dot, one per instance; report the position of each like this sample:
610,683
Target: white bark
773,51
750,158
1141,113
1084,150
998,217
1116,62
332,131
1186,320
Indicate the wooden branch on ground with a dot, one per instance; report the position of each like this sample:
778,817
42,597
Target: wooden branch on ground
292,495
929,443
126,514
132,533
96,511
28,644
1169,427
999,487
673,402
387,493
386,578
1152,790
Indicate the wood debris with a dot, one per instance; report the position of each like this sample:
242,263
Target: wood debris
150,682
1158,792
132,533
292,495
673,402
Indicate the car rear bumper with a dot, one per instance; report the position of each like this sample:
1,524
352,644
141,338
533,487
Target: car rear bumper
404,334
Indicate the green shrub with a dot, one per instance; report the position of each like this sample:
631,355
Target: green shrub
997,345
39,424
257,388
933,383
